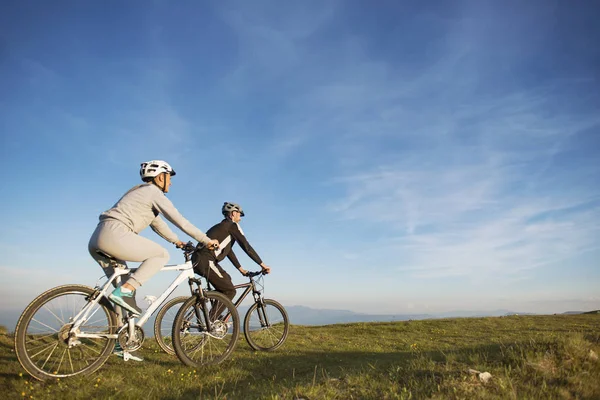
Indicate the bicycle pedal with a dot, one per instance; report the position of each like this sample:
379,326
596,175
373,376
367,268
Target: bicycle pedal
126,356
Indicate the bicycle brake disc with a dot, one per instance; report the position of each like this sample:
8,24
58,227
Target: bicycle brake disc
219,329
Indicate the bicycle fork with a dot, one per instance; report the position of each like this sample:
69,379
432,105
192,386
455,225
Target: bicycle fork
260,308
262,314
199,293
201,315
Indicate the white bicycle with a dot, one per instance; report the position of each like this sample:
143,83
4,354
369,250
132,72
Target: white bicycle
72,329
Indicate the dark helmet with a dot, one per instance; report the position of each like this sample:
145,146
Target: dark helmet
229,207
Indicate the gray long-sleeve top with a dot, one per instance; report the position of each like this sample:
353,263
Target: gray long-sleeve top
141,206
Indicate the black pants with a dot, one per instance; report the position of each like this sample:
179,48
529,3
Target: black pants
206,265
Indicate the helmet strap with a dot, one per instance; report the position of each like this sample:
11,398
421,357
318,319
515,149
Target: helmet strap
164,184
164,188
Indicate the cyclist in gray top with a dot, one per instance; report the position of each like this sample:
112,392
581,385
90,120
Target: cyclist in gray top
117,236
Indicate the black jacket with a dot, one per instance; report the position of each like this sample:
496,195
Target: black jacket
227,233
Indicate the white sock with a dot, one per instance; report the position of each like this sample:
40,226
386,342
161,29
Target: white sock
125,290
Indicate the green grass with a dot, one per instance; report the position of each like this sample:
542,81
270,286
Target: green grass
529,357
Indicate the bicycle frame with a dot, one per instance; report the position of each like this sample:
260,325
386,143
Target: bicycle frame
249,287
187,273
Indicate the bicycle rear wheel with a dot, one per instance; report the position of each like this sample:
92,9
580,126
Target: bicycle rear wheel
194,344
42,334
163,325
266,325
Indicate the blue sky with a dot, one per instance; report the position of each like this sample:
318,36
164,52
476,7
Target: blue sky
393,157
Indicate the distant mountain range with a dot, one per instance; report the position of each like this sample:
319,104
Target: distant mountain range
582,312
301,315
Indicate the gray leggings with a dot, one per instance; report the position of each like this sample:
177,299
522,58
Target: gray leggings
118,241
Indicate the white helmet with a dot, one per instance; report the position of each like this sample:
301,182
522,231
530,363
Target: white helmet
150,169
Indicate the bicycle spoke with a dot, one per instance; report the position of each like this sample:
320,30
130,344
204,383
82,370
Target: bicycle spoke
164,324
40,338
44,344
265,326
63,315
62,357
71,361
47,326
90,348
196,344
200,347
49,355
42,347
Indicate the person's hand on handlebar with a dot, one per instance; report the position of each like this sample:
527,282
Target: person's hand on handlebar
213,244
243,271
180,244
266,269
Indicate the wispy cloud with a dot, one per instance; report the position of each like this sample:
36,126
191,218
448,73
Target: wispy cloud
493,215
449,153
462,167
452,146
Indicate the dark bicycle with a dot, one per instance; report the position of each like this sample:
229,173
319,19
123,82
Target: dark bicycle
266,323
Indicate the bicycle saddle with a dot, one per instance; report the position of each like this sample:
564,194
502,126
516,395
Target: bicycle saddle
103,254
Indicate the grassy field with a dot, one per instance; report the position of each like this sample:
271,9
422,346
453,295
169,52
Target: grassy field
529,357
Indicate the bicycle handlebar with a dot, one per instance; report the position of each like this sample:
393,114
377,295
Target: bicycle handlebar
188,247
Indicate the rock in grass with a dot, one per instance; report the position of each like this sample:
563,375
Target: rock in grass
485,377
593,356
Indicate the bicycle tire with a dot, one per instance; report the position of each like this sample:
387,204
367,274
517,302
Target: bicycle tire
193,345
166,315
36,337
266,338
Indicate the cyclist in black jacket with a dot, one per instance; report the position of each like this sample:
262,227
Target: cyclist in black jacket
227,232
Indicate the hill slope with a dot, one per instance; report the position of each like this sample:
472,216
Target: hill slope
527,356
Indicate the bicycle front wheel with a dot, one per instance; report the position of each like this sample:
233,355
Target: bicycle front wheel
197,345
266,325
163,325
44,343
